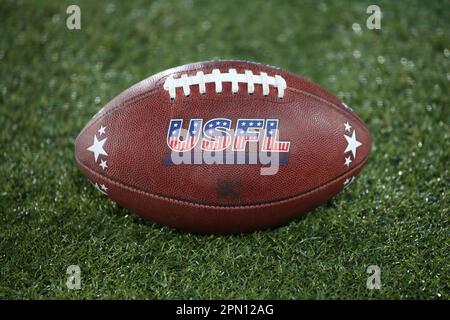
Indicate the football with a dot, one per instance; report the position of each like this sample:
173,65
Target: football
223,147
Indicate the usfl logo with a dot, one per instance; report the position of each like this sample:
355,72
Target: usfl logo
226,142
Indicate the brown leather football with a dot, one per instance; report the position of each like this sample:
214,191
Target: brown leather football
223,147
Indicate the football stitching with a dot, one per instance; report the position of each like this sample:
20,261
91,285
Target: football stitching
200,79
129,103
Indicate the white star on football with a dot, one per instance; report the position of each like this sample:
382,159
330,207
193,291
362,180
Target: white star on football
352,144
348,160
346,106
348,181
103,164
348,127
99,188
97,148
101,130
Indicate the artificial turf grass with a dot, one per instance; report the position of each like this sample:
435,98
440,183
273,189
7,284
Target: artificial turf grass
395,215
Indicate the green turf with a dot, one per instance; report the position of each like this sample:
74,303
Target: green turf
396,215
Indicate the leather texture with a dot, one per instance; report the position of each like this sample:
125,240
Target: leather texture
222,198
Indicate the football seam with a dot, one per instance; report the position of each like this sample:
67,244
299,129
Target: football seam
129,103
210,206
334,106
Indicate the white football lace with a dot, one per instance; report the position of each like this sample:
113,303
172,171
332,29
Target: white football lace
216,77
